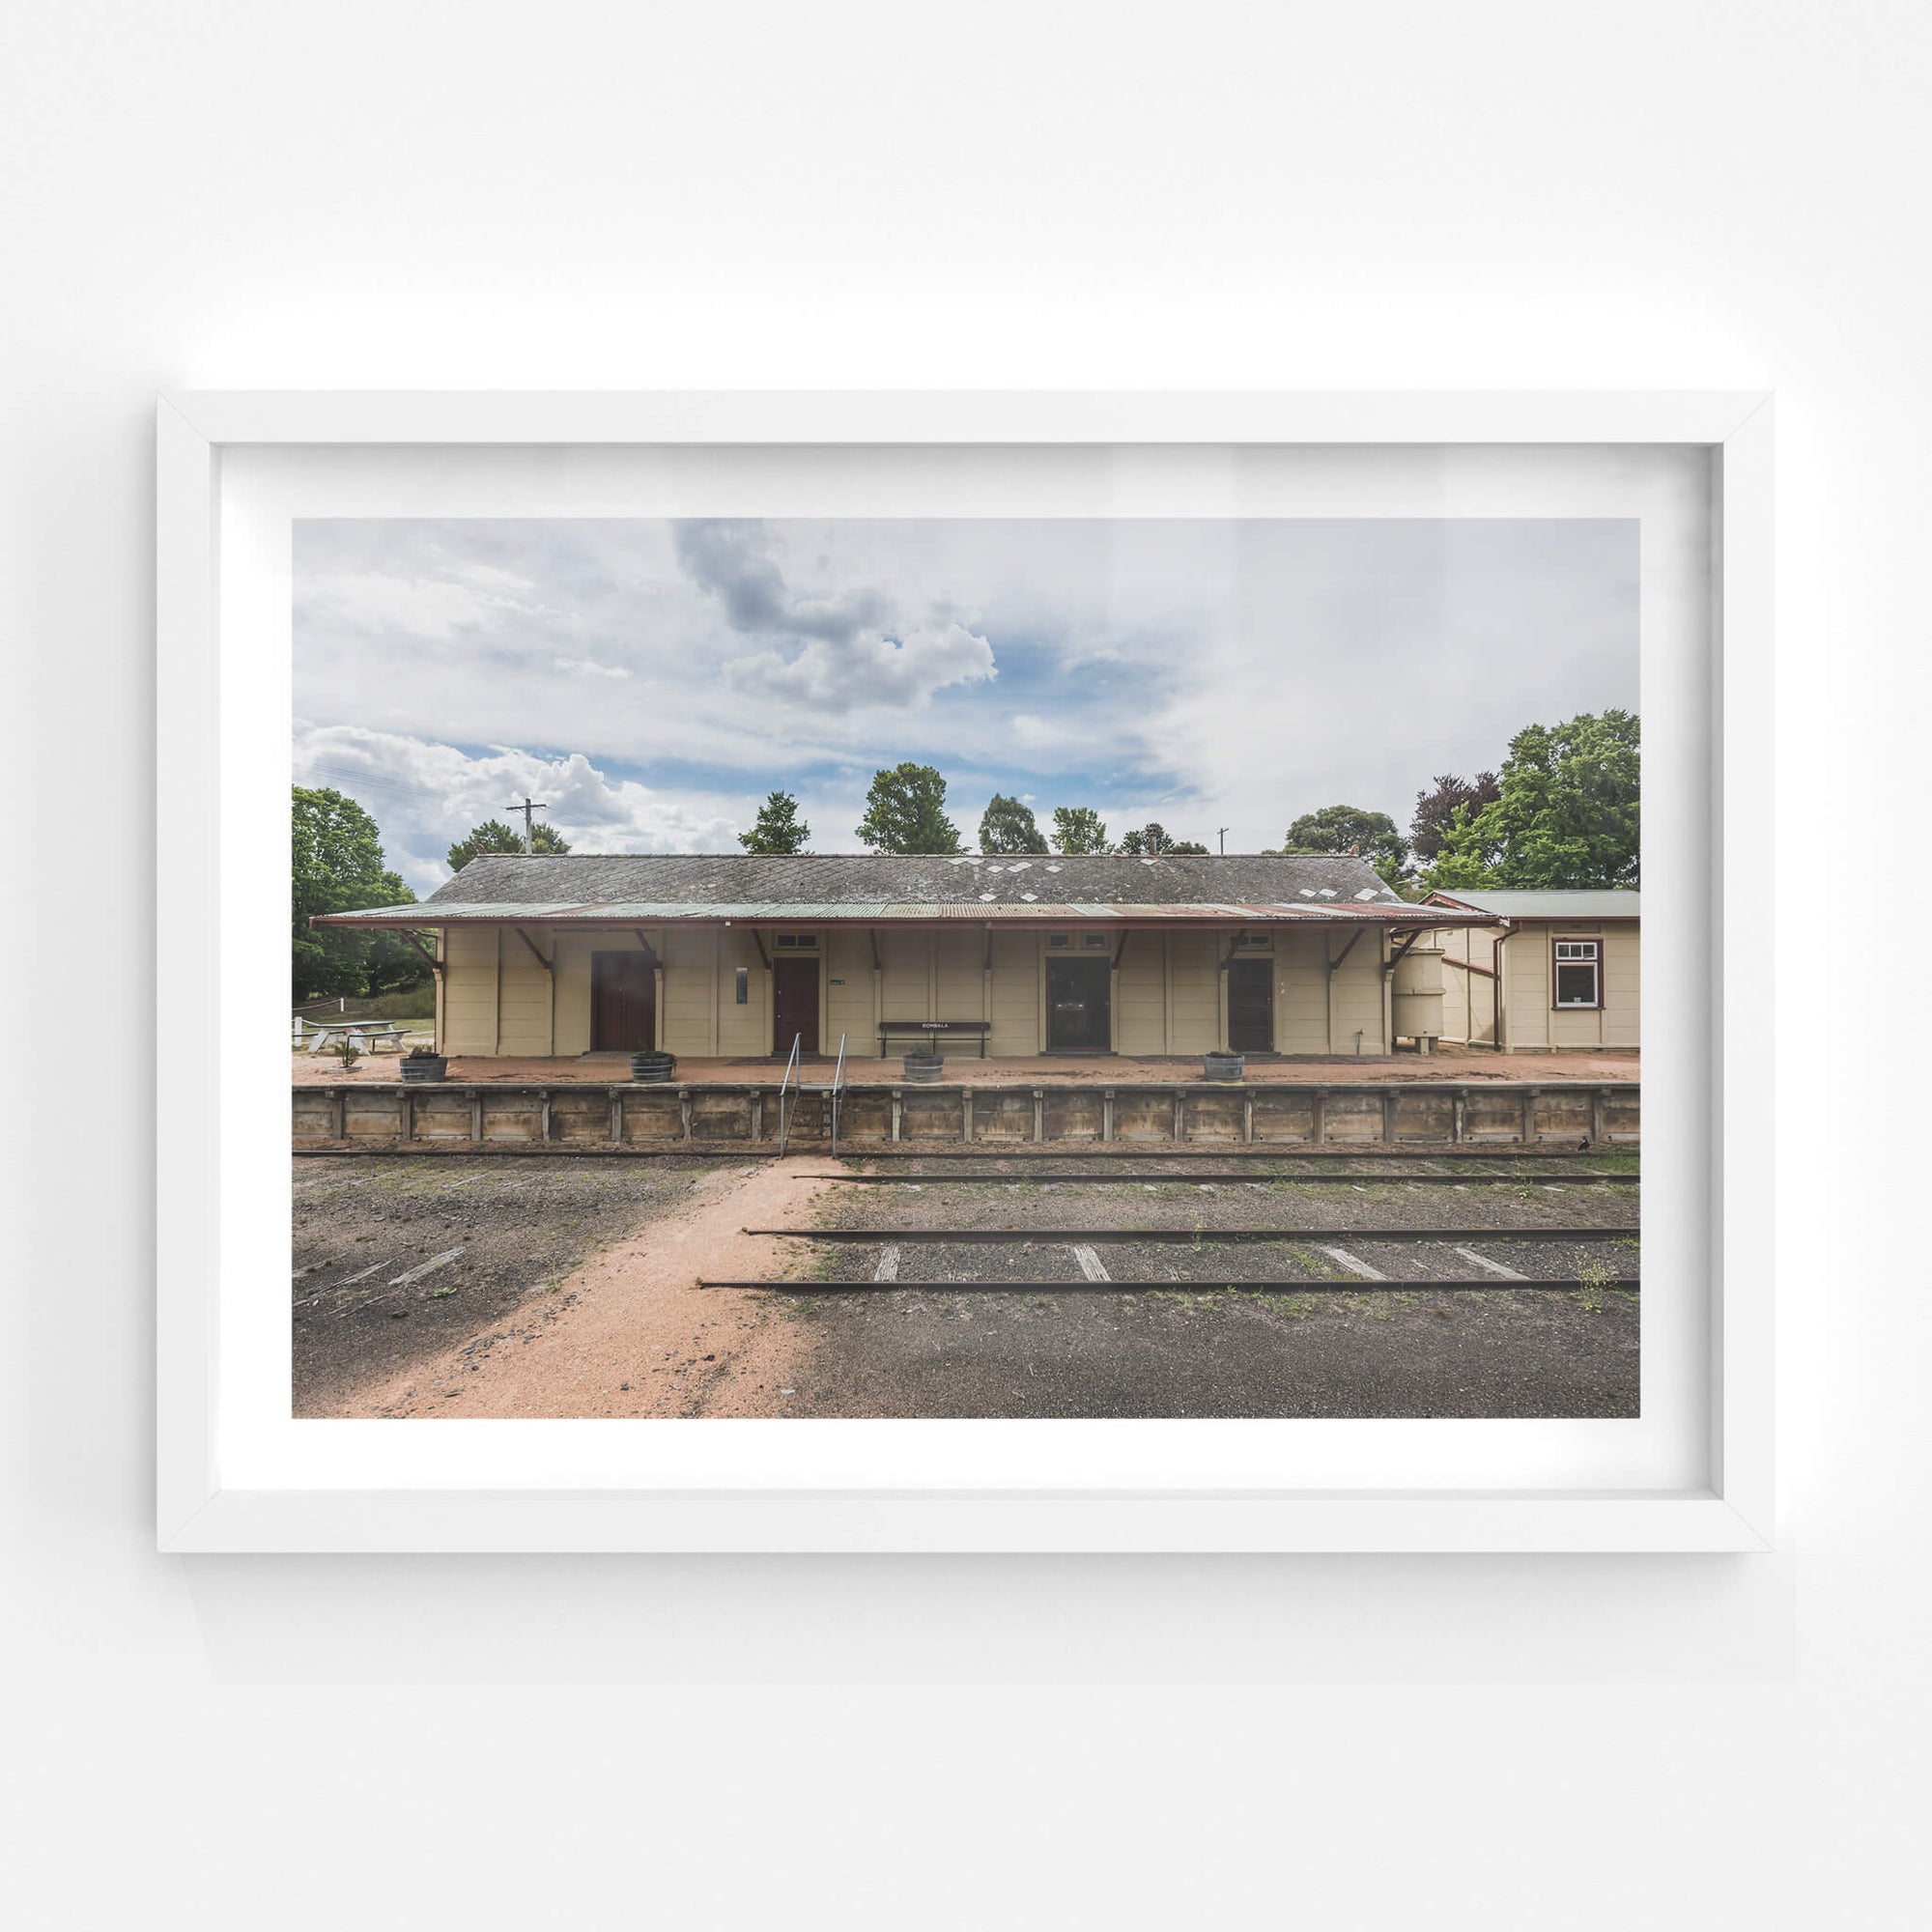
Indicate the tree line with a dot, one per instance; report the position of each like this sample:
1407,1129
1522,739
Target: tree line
905,812
1564,811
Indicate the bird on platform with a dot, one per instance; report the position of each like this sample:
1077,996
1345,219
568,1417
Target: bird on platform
1583,1146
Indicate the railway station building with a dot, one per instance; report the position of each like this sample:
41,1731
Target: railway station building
1556,970
737,957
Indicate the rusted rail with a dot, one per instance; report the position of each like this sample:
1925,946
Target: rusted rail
1191,1237
1457,1285
1187,1176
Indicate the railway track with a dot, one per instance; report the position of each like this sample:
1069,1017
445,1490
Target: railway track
1340,1256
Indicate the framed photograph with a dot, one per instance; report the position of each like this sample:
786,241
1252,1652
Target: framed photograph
964,971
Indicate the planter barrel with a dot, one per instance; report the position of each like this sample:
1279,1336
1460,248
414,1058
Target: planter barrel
923,1068
1223,1065
653,1068
419,1069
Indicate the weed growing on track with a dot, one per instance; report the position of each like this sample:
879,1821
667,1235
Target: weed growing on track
1324,1268
1596,1277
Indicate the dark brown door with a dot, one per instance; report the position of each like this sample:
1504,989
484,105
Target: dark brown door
623,1003
794,1005
1251,1005
1078,995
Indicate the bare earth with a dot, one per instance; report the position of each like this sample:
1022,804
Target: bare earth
625,1333
602,1068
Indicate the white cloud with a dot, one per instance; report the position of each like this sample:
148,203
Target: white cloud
426,796
1210,672
868,669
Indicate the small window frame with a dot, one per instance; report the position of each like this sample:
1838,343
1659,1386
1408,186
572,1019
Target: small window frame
1574,961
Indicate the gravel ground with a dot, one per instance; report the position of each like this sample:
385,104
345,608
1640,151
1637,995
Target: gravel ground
918,1349
512,1230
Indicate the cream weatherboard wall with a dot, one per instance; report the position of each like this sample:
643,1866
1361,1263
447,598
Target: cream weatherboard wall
1169,989
1529,1018
1531,1022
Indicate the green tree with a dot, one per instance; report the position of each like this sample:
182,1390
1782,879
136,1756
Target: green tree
1433,809
1567,815
1078,828
778,828
905,812
1007,826
1348,829
336,865
1154,839
494,836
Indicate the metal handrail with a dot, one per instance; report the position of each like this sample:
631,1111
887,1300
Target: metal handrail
838,1093
791,1067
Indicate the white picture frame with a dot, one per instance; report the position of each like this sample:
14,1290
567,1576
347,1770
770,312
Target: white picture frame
197,1511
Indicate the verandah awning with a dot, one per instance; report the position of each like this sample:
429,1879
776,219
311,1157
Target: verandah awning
1316,908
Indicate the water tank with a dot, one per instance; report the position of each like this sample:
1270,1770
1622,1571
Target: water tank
1418,993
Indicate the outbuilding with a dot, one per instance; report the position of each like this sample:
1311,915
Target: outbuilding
726,957
1555,971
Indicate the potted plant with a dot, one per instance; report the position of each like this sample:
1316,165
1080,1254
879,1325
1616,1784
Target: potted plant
925,1067
1223,1065
346,1050
652,1068
424,1062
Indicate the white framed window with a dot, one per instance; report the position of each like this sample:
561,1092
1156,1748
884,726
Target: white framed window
789,940
1576,973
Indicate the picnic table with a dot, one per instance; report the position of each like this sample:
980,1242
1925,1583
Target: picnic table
367,1034
928,1032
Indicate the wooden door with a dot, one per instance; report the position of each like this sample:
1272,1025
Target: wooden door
623,1003
1251,1005
794,1005
1078,997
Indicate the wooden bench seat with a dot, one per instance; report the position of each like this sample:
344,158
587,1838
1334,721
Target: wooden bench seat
928,1032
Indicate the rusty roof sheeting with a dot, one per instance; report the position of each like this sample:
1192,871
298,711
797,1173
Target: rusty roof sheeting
659,912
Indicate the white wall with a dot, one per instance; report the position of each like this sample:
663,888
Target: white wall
583,194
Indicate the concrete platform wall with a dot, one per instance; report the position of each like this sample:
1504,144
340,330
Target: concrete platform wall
1331,1114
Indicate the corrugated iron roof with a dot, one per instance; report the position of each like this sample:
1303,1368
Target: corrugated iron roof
806,886
1619,902
670,912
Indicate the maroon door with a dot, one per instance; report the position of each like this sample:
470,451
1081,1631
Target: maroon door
1078,997
794,1005
623,1003
1251,1005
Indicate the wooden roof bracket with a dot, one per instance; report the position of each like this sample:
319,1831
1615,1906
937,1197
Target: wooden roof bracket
1334,965
989,946
872,933
534,952
759,940
1398,952
1120,951
428,952
644,940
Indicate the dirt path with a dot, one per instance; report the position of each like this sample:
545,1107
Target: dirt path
629,1333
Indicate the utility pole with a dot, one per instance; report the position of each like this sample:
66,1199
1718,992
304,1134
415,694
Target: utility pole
1222,836
528,808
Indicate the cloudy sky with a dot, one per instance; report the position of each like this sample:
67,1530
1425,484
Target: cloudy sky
652,681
